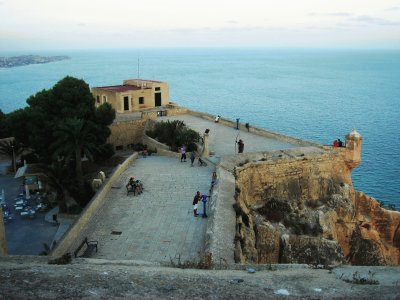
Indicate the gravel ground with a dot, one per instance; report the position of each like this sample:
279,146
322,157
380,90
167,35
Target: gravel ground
32,278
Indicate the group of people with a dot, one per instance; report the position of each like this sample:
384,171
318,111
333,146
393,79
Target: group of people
203,198
337,143
193,155
135,185
197,198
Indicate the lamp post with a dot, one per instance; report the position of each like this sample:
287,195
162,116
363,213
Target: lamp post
13,158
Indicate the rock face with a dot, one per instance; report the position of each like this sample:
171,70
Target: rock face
300,208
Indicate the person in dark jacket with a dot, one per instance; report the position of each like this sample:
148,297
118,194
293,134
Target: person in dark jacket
196,200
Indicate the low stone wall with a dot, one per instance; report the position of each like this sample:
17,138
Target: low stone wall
162,149
255,130
220,231
176,110
125,133
75,235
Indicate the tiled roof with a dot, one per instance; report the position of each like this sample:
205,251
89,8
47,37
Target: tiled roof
119,88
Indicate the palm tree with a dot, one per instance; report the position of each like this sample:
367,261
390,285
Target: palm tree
57,178
74,137
169,131
12,149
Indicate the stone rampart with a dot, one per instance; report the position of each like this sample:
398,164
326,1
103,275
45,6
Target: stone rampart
300,207
126,133
75,235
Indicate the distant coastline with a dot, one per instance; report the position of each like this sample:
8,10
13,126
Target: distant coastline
24,60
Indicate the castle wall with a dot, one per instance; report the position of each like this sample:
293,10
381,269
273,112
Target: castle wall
126,133
299,208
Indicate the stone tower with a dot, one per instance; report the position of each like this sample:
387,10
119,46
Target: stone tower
353,149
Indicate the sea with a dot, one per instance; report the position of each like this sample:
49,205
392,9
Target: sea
314,94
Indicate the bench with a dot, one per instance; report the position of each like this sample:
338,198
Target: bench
130,189
90,246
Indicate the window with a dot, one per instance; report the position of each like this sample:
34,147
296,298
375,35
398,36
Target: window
98,99
104,99
141,100
158,89
126,103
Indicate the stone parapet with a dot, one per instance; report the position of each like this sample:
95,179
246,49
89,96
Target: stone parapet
220,231
255,130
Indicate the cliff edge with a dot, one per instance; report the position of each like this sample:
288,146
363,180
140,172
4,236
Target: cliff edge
300,206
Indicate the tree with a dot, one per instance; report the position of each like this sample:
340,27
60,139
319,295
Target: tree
69,98
167,132
66,118
58,177
17,125
74,138
3,127
12,149
174,134
188,137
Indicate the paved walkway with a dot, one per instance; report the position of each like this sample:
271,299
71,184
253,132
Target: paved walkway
222,138
157,225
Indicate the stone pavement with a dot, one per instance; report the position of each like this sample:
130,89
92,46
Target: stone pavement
158,225
222,138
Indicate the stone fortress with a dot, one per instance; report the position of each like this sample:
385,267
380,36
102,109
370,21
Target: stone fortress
294,205
273,204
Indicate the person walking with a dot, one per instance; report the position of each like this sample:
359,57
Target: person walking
183,153
196,200
193,155
240,146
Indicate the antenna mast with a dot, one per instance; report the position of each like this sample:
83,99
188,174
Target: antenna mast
138,67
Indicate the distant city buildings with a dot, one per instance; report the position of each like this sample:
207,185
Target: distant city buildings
133,95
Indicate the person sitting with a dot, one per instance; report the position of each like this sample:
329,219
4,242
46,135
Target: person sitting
135,185
217,119
139,186
335,144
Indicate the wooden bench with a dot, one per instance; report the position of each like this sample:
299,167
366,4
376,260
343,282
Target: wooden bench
90,246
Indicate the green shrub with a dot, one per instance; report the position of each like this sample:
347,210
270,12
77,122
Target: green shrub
174,134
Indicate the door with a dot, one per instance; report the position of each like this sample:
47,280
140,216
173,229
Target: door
126,103
157,99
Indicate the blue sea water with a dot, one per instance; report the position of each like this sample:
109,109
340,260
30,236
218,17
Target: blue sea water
317,95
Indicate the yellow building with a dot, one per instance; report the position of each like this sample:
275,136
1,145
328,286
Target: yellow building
133,95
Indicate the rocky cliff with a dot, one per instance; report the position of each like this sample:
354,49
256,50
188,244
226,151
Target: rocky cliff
299,206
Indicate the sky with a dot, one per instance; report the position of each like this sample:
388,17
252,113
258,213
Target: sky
88,24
